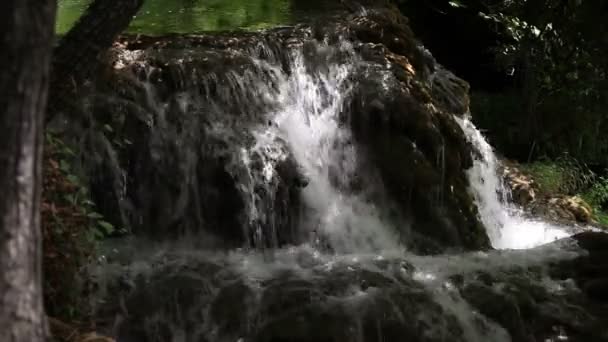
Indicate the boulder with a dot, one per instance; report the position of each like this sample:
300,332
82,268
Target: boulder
181,111
526,193
522,187
535,295
575,206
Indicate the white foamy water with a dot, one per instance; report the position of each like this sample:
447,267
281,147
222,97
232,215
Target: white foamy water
310,102
307,106
506,225
349,241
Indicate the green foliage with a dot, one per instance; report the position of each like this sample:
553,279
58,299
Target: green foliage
597,195
565,175
187,16
547,175
78,196
72,228
568,176
601,216
557,50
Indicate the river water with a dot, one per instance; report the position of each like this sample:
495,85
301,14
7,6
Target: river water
351,271
351,277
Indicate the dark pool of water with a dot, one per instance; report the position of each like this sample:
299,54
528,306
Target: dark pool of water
188,16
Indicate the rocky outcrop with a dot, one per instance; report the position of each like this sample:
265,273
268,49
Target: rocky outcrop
522,186
180,154
573,208
534,308
555,207
522,296
410,135
184,136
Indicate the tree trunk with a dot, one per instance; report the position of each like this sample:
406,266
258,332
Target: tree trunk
26,35
79,52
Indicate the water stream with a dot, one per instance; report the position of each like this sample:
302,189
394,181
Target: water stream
350,268
506,225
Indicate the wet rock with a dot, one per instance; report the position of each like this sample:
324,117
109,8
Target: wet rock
192,108
407,131
450,92
525,192
499,296
575,206
192,299
533,306
591,270
522,187
596,289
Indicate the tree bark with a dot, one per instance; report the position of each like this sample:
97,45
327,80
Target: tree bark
79,52
26,35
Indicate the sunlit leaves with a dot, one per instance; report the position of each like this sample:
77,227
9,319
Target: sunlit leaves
163,16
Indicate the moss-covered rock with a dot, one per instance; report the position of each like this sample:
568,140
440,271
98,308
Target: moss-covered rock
186,104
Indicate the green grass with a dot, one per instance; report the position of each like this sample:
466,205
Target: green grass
568,177
549,176
601,217
158,17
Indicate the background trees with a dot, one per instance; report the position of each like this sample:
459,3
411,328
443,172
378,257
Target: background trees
538,74
556,53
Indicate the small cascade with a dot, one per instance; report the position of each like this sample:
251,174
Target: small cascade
507,226
213,159
280,117
309,120
281,181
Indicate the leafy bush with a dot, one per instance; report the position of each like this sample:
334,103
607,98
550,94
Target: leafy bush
568,176
598,193
71,228
565,175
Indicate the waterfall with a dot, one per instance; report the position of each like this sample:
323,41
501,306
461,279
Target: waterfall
308,106
506,225
276,153
292,106
275,110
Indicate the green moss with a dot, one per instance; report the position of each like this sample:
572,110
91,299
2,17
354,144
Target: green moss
161,16
548,176
597,197
566,176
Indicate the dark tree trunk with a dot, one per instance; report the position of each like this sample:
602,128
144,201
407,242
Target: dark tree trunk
26,35
79,52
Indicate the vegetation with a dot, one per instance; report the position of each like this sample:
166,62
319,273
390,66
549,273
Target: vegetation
566,175
69,228
186,16
552,115
555,51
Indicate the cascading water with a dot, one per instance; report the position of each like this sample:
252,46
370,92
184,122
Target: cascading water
316,257
300,114
506,225
308,118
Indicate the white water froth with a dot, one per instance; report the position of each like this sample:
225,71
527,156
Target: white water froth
306,105
309,103
506,225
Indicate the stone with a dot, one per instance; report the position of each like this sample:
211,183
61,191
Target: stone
581,210
524,191
201,298
186,104
522,187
